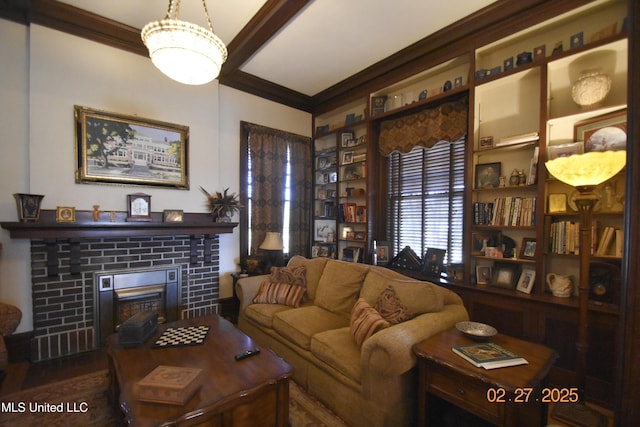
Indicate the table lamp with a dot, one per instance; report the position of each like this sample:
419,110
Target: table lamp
272,245
584,172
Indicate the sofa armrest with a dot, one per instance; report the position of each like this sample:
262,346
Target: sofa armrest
247,288
389,352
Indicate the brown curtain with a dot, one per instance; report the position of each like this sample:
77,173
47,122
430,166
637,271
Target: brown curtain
445,122
268,151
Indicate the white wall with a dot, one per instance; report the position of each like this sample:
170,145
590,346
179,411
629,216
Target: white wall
48,74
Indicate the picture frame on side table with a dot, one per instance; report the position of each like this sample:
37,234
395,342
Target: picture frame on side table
137,151
527,279
504,275
433,261
381,251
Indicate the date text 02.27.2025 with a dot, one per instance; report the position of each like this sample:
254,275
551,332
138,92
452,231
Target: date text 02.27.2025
526,394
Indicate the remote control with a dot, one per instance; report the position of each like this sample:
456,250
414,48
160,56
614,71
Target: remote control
247,353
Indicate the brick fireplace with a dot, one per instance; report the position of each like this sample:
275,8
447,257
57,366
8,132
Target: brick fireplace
65,293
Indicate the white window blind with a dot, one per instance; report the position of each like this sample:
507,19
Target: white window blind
425,199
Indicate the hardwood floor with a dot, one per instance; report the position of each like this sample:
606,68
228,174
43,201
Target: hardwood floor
23,375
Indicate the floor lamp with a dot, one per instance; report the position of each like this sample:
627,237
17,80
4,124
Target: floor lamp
584,172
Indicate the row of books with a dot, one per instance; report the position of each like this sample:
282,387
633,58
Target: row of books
509,211
352,212
565,239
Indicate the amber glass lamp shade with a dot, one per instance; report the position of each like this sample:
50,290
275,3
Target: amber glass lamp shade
585,171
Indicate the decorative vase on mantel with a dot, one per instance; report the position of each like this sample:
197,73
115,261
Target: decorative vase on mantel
223,205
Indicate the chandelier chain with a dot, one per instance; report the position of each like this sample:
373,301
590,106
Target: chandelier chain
206,13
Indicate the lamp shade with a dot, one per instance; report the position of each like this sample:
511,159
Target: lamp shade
272,242
587,169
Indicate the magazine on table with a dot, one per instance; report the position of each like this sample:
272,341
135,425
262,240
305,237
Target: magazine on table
488,355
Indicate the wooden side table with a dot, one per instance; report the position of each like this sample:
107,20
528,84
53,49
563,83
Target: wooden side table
512,396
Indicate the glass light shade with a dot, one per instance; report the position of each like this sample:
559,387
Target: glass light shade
591,87
588,169
185,52
272,242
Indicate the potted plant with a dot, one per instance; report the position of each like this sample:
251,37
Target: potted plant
223,205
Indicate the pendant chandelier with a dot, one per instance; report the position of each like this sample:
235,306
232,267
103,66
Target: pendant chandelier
185,52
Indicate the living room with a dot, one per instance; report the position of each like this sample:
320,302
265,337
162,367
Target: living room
52,71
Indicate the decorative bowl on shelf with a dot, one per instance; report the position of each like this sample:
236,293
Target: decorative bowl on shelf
591,88
476,330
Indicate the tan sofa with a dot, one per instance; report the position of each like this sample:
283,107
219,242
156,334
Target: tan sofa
372,385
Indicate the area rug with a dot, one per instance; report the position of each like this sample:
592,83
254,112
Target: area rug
83,402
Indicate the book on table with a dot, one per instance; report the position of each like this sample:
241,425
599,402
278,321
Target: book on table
488,355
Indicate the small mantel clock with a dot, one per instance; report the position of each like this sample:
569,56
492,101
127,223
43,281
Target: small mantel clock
139,207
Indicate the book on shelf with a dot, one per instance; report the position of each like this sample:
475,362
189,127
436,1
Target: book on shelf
607,238
533,167
517,139
488,355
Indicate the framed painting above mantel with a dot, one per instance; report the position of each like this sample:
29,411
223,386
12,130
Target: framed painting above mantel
112,148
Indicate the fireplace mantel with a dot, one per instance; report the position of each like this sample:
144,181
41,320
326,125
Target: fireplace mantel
112,225
85,227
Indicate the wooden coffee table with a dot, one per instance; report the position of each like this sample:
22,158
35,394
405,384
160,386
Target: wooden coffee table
250,392
511,396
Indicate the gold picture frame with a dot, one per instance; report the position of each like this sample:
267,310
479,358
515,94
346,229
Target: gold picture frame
113,148
65,214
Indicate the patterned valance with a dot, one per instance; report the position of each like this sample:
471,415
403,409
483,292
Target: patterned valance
445,122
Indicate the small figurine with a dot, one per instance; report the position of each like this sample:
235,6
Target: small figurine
96,212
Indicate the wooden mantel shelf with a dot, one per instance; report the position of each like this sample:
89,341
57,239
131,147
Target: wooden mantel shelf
114,224
85,227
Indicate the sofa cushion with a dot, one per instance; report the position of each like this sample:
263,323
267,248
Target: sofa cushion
314,268
391,308
300,324
337,349
419,297
339,286
365,321
279,293
263,313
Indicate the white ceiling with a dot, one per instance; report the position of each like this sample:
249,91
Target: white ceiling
325,43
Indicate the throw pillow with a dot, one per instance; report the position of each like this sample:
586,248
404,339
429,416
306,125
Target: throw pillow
290,275
279,293
419,297
339,286
391,308
365,321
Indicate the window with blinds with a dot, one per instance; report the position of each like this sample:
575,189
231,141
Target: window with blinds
425,199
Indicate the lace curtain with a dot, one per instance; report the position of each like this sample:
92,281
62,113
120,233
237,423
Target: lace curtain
445,122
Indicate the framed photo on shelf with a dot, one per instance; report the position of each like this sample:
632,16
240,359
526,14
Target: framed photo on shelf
603,133
433,261
381,251
347,157
172,215
346,139
488,175
528,248
324,229
485,143
483,274
504,275
526,281
478,243
557,203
